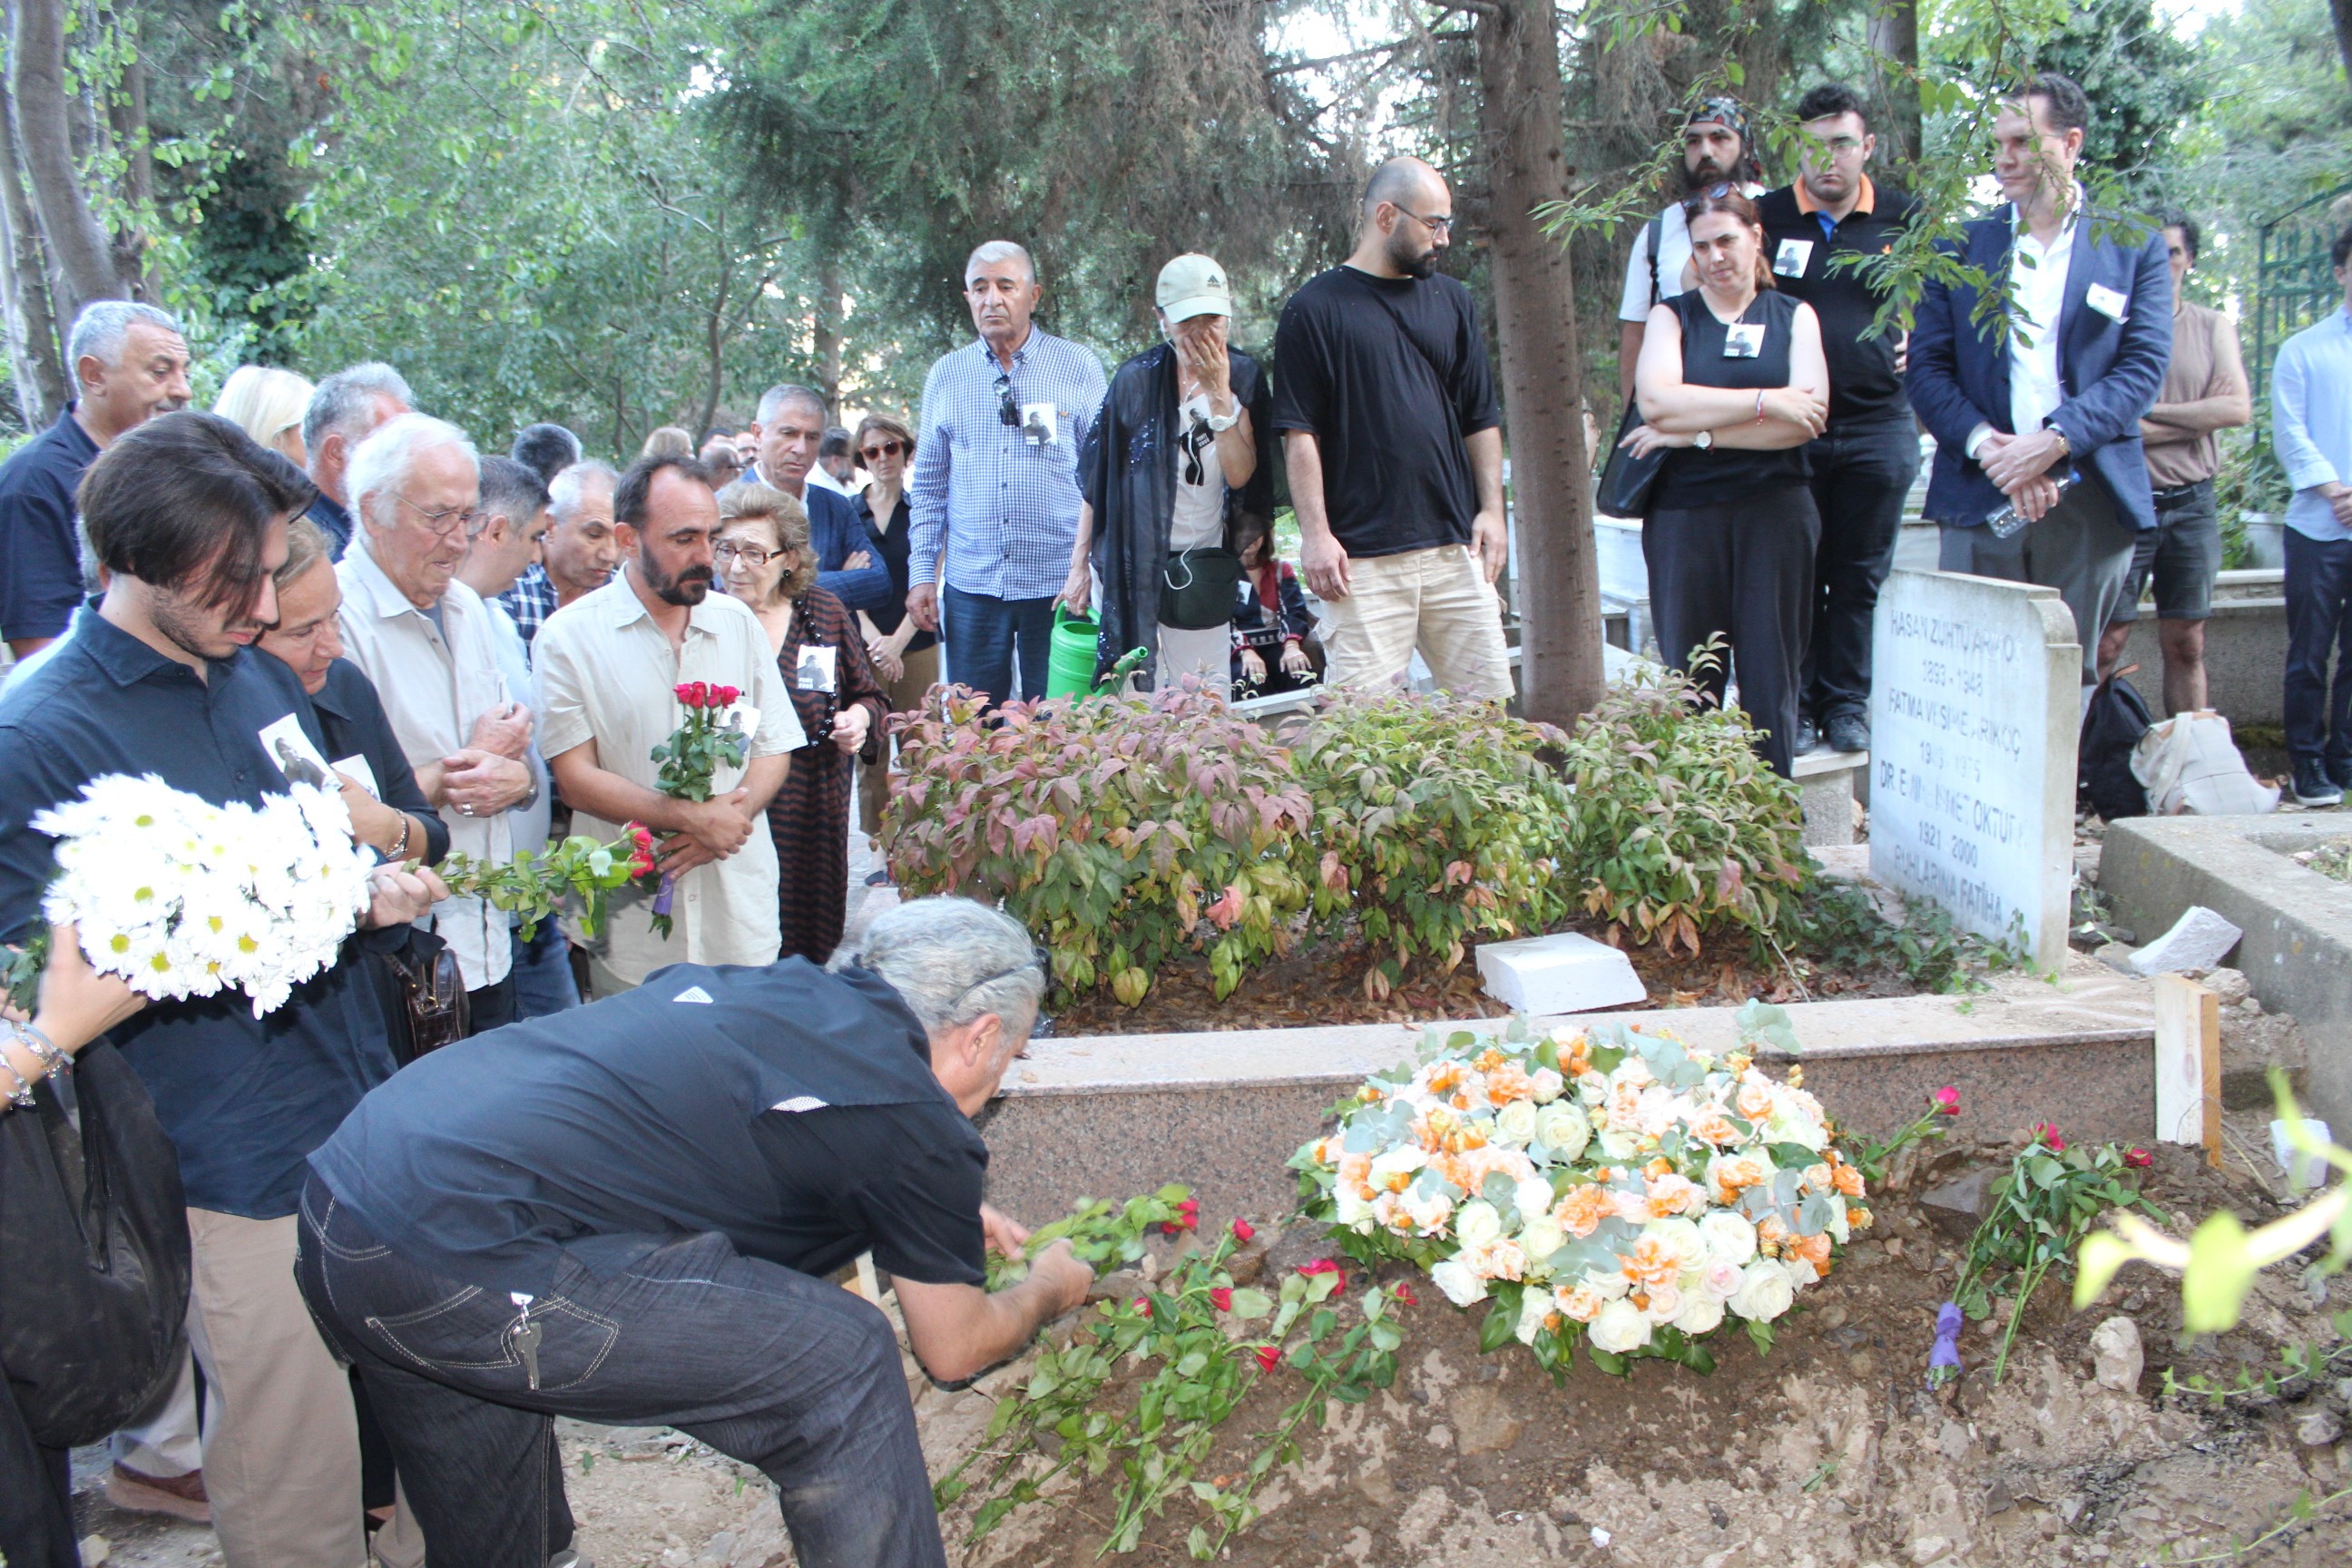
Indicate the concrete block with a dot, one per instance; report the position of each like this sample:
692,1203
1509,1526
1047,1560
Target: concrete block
1565,973
2200,938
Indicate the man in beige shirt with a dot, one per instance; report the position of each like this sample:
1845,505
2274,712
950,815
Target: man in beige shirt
607,665
2205,392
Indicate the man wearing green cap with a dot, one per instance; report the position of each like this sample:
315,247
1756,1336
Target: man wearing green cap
1179,459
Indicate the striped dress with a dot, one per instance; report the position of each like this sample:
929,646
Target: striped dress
809,818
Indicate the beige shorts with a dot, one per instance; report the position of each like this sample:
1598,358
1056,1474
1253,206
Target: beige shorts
1437,601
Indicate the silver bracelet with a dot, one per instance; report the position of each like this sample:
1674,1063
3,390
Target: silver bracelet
21,1097
43,1049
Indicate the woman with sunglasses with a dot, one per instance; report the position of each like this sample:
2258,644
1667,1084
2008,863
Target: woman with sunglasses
1732,383
1180,455
906,656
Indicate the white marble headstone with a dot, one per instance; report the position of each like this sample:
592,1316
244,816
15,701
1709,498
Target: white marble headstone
1975,708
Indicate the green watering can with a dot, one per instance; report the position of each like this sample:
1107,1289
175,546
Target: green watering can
1070,670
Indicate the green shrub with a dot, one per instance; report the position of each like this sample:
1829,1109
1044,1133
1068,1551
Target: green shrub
1110,829
1678,825
1437,820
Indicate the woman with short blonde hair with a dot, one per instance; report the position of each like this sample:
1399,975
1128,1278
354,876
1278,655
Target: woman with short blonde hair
267,404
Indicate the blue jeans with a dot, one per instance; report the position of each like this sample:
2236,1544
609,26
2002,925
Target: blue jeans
790,1374
987,633
2318,597
542,973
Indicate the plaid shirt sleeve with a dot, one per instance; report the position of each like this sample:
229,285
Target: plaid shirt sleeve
530,601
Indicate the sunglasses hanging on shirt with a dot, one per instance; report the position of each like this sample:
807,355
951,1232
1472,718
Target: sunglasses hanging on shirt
1196,440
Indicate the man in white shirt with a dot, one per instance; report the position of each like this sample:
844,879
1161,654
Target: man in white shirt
608,665
2044,427
1718,147
430,646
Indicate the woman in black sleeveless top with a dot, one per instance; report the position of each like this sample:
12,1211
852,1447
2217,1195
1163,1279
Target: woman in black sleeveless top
1732,383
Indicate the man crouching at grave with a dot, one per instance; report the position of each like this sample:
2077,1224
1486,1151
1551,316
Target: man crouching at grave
625,1214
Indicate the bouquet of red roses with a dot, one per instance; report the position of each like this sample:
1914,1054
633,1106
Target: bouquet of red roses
690,759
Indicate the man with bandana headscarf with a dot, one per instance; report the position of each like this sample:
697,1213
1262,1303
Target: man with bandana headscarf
1718,147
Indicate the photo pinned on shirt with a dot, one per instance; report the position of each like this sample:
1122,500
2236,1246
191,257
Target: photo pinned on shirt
1743,340
1040,424
815,673
1793,257
297,758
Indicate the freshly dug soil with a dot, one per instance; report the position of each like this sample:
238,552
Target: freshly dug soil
1324,983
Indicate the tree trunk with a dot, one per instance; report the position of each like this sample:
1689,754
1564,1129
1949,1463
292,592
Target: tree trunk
25,310
1543,393
41,113
826,334
2342,12
1894,38
126,111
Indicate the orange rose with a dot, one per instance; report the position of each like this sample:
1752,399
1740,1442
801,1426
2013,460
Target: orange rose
1847,1179
1652,1262
1582,1209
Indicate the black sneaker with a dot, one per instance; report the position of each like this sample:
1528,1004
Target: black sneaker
1808,735
2339,774
1847,732
2313,787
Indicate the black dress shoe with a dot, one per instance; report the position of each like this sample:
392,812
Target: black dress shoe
2313,787
1808,735
1847,732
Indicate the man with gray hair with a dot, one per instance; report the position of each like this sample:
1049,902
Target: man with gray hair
995,486
790,430
344,408
128,363
430,646
579,553
648,1233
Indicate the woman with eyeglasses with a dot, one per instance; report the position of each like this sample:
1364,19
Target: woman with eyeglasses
906,656
1180,455
765,560
1732,383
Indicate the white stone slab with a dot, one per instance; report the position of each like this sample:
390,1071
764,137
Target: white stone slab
2200,938
1975,708
1567,972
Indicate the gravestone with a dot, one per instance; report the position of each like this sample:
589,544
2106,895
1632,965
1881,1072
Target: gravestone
1974,705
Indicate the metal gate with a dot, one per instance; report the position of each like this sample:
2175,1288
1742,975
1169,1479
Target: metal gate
2293,284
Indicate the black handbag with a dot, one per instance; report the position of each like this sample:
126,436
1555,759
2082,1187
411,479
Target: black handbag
426,995
94,1232
1197,587
1627,480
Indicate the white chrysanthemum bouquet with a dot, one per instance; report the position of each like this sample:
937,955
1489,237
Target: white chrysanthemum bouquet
183,897
1613,1187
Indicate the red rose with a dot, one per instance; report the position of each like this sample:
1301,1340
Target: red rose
1404,1294
725,697
1325,1266
2047,1132
1947,1100
1243,1231
2138,1159
1221,1298
1188,1215
1143,1305
1266,1356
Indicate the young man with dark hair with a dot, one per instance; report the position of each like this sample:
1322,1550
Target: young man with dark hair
1718,147
2047,421
2311,424
608,665
189,516
1865,462
2205,391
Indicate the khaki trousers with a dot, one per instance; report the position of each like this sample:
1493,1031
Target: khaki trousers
281,1444
906,693
1437,601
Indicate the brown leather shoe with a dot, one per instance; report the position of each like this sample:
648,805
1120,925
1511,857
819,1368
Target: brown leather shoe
181,1497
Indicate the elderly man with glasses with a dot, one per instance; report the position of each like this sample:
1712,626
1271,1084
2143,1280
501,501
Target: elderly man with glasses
431,648
995,486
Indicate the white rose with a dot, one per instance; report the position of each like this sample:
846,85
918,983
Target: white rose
1478,1226
1541,1239
1547,1085
1427,1214
1621,1144
1591,1088
1730,1237
1701,1313
1720,1279
1514,1124
1666,1304
1619,1327
1396,1162
1799,1272
1764,1292
1608,1284
1533,1310
1633,1072
1462,1287
1354,1212
1531,1197
1791,1126
1564,1130
1840,1226
1682,1237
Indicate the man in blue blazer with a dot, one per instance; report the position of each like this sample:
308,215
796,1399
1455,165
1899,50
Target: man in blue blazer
2047,420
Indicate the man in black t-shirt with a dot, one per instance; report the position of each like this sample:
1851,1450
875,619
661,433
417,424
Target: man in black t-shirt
1865,462
1394,448
624,1212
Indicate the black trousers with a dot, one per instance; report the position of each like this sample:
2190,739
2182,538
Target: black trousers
1742,570
491,1006
2318,623
37,1522
1861,474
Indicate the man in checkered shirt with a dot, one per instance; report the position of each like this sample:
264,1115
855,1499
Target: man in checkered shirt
995,486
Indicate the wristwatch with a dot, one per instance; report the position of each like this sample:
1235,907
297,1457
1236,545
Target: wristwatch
1220,424
1703,440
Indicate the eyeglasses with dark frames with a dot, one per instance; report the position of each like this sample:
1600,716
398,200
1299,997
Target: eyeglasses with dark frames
1434,224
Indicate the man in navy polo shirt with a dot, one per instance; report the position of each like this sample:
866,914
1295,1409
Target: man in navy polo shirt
791,428
188,515
130,364
1865,462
